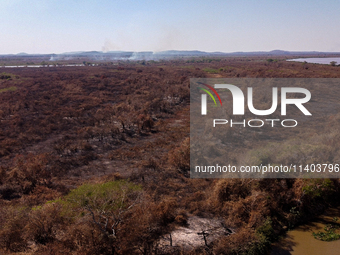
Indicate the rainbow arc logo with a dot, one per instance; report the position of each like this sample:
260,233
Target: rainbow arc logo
204,97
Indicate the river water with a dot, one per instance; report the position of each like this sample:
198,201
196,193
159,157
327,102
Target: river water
316,61
300,241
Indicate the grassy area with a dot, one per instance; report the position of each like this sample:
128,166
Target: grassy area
210,70
8,89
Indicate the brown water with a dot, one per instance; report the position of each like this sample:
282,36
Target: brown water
300,241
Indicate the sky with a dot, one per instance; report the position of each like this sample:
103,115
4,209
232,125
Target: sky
57,26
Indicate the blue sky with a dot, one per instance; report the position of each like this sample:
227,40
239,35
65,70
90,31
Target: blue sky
56,26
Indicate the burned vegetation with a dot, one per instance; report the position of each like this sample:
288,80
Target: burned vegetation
95,160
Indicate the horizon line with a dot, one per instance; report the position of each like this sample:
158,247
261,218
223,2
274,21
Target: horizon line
183,51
